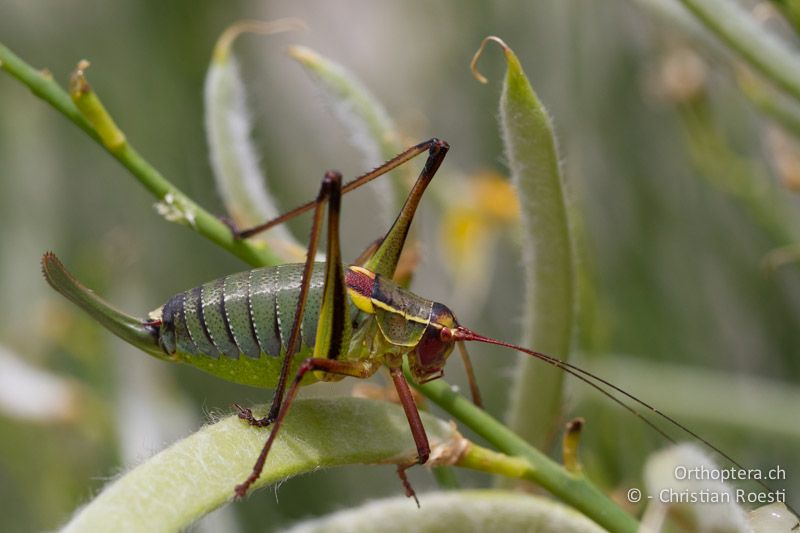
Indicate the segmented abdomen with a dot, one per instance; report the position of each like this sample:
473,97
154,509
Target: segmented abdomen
248,313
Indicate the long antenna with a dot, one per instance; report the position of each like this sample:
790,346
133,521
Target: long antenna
464,334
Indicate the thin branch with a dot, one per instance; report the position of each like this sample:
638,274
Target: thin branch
573,489
206,224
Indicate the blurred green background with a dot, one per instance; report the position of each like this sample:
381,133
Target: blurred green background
680,186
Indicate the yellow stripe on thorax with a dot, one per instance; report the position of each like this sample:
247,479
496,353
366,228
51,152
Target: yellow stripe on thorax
368,303
406,316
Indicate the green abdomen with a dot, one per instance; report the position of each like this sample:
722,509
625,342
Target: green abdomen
238,327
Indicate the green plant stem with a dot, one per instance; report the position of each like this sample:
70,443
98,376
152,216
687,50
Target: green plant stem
41,83
445,477
573,489
205,223
209,226
485,460
762,51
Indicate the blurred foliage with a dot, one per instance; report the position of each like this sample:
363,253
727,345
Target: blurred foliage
682,188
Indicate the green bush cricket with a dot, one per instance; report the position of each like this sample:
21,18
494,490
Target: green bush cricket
286,326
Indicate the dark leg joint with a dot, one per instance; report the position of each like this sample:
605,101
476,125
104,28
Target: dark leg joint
228,221
332,177
331,181
247,415
438,145
423,458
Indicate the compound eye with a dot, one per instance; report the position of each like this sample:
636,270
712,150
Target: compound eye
433,349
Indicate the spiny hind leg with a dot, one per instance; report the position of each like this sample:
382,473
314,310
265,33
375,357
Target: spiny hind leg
436,147
358,369
333,328
329,193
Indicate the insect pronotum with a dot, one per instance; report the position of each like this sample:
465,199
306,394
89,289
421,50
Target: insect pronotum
285,326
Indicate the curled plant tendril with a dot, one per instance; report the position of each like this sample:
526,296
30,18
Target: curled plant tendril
473,65
223,46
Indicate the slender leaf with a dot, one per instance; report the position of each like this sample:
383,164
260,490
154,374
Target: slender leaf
196,475
474,510
549,309
371,130
234,158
